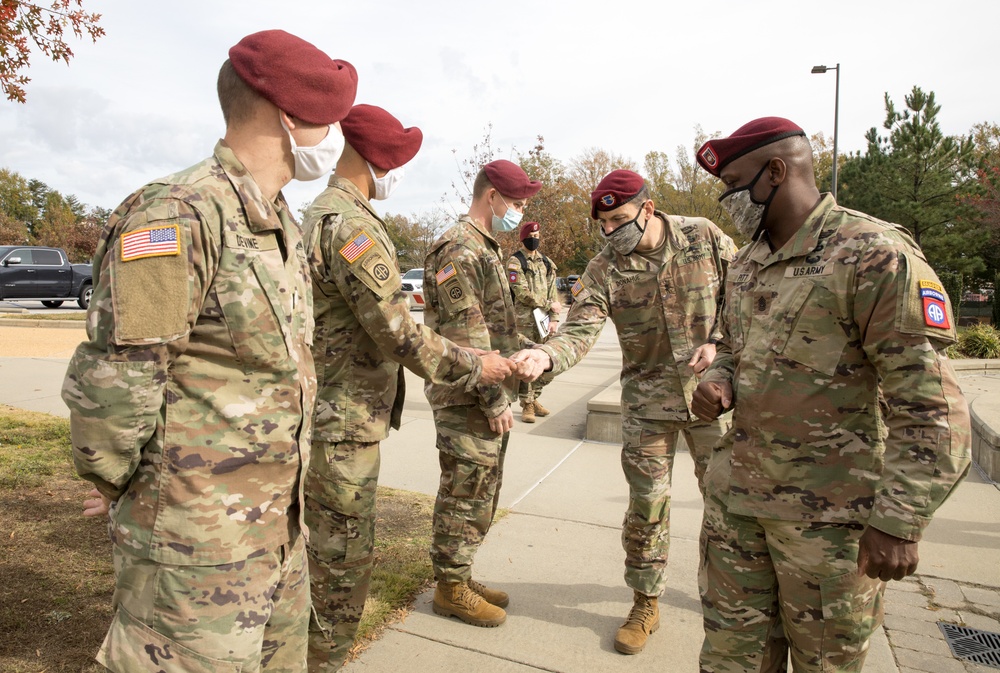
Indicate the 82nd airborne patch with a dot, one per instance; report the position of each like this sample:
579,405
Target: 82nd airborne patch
935,308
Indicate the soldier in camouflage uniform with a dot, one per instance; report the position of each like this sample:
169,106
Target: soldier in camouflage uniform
532,278
849,429
468,301
659,279
364,331
191,402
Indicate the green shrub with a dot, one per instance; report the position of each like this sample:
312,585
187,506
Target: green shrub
980,341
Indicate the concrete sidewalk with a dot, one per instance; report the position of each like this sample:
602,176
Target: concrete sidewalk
558,551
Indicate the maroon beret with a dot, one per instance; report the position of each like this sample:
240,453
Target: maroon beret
616,189
296,76
510,179
379,137
715,154
529,228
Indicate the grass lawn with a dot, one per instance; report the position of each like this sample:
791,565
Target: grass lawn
56,579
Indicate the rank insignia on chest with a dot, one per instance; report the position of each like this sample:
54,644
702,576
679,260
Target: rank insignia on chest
447,272
150,242
577,287
762,303
935,308
357,247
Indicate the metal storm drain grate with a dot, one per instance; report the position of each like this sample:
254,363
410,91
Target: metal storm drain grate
981,647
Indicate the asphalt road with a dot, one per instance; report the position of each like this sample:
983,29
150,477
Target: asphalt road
70,306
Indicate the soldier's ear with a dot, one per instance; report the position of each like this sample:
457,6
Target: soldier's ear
777,171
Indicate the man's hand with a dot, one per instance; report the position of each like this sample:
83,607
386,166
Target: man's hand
702,358
503,423
710,399
96,505
553,326
495,368
531,363
886,557
556,307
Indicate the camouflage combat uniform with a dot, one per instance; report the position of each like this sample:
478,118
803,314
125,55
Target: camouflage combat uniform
847,414
363,332
468,301
664,303
191,405
533,287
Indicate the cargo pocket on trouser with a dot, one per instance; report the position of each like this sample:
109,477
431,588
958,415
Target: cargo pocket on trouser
462,515
133,647
852,610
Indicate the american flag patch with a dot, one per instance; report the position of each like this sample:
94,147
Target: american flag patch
150,242
445,273
577,287
356,247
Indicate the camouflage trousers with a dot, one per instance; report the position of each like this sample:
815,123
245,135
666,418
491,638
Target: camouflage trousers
530,391
648,448
340,514
770,588
471,457
248,616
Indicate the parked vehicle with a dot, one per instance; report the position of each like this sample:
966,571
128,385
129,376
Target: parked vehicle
43,274
562,289
572,278
413,288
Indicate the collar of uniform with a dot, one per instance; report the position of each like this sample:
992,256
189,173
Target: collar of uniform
343,184
802,243
492,242
675,237
261,215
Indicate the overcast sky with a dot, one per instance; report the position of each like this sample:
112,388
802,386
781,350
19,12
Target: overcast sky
625,76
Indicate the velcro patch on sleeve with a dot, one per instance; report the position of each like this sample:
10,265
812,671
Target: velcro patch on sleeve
358,246
512,275
447,272
159,241
378,268
577,287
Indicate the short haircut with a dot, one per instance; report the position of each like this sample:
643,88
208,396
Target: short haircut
481,184
236,98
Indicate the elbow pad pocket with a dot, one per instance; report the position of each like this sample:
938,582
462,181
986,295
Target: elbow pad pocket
113,411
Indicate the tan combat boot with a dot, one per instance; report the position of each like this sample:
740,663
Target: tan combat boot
642,621
527,412
491,596
456,599
540,410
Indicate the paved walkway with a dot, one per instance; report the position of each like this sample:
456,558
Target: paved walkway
558,551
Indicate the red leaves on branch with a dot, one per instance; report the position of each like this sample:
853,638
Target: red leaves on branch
24,23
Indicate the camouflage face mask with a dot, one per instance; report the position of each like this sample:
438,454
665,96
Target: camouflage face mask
747,213
627,236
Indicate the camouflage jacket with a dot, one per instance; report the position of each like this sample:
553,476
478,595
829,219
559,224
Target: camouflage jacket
534,287
662,312
193,397
468,301
363,325
846,407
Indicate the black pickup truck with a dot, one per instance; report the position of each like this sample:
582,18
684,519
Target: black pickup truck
34,273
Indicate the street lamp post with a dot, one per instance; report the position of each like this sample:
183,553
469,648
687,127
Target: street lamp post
819,70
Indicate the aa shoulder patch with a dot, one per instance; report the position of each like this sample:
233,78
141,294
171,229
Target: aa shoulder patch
512,275
157,241
455,292
577,287
447,272
358,246
935,309
378,268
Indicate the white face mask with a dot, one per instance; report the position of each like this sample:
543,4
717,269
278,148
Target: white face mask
316,161
386,185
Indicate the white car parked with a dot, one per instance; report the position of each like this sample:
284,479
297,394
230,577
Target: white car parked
413,288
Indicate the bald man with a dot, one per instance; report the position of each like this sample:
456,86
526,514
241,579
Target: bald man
849,428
